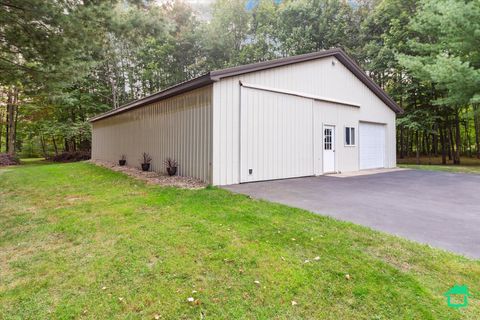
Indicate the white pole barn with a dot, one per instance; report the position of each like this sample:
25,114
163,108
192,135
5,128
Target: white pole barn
298,116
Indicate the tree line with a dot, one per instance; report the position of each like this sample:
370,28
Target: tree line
63,61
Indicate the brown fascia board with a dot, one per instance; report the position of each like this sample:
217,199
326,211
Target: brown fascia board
351,65
217,75
348,62
248,68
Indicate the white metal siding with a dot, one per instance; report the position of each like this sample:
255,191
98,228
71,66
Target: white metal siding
340,116
276,136
178,127
372,145
319,77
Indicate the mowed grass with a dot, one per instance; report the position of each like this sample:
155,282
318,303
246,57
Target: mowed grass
82,242
467,165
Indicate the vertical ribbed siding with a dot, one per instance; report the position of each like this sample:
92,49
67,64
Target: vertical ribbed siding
178,127
274,148
327,78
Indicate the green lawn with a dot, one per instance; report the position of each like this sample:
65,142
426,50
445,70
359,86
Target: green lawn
467,165
82,242
445,168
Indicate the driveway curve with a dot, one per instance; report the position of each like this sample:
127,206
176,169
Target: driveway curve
437,208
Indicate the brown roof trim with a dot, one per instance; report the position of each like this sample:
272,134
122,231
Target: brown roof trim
167,93
338,53
362,76
217,75
230,72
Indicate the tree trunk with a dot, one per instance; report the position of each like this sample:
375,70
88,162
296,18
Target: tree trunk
6,130
476,120
468,149
442,145
11,123
55,146
450,143
402,150
1,127
456,160
426,144
410,143
44,151
418,148
15,109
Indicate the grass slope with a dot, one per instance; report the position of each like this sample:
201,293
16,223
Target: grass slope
82,242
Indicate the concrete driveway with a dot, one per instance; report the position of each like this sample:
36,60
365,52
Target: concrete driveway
438,208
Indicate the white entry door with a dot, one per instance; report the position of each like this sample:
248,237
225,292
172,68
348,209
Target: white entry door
372,145
328,149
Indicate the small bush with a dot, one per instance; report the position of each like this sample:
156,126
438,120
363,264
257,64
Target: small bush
170,163
146,158
72,156
8,160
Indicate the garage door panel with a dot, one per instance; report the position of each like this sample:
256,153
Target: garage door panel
372,145
276,137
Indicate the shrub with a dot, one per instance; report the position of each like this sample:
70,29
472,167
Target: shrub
146,158
71,156
170,163
8,160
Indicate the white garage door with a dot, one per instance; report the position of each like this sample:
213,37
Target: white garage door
372,145
276,136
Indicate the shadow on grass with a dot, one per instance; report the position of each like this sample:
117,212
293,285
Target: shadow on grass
34,161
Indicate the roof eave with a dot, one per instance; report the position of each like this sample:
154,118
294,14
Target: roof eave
374,87
183,87
348,62
217,75
253,67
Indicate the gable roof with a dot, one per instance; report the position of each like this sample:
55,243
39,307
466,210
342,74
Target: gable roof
217,75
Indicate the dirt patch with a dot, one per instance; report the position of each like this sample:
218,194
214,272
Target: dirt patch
395,256
152,177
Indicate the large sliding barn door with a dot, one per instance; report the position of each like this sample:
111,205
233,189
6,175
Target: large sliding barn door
276,136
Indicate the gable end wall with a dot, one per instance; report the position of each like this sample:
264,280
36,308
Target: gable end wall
326,77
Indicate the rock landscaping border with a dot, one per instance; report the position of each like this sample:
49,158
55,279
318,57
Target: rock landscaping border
152,177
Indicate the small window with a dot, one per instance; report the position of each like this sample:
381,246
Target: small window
327,139
349,136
